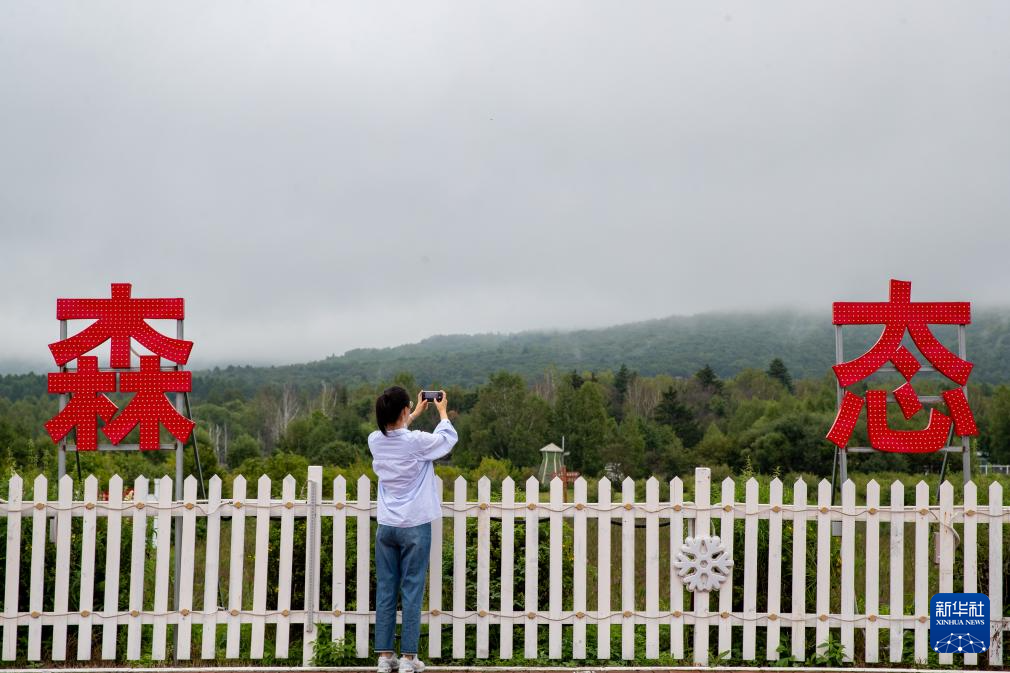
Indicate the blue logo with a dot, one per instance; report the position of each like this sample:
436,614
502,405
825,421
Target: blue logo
959,623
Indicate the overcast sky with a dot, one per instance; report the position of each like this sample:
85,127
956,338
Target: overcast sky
319,176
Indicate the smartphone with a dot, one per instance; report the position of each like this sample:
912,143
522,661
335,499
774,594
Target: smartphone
431,395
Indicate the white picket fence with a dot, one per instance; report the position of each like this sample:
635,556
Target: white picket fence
672,618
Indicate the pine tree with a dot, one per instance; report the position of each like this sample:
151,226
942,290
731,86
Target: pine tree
708,379
777,370
621,380
671,411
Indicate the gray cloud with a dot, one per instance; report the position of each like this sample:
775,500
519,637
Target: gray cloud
315,177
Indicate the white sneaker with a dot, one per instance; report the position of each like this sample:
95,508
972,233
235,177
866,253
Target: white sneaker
414,665
388,664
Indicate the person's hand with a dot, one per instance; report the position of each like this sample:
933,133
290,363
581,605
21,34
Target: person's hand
419,409
442,404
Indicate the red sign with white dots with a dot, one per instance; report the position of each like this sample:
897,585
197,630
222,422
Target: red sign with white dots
120,319
900,315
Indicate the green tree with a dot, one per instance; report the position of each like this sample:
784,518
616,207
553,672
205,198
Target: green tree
627,449
752,384
708,379
406,381
621,381
336,453
352,428
241,449
777,370
674,413
306,433
995,427
507,422
276,467
794,441
715,447
580,416
664,452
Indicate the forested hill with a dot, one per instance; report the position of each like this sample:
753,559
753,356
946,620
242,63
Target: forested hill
678,346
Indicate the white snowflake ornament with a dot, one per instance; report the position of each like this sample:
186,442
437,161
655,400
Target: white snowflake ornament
702,563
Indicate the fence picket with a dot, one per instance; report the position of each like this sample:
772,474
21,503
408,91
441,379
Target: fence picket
507,607
579,571
848,574
726,518
554,550
364,540
313,548
262,541
459,569
483,567
652,568
62,580
35,597
750,571
823,562
339,561
603,630
86,604
676,585
233,641
946,541
162,569
970,546
113,535
774,569
287,557
799,588
12,574
138,556
896,628
208,630
532,562
872,601
435,584
260,567
996,579
184,631
702,499
628,569
921,572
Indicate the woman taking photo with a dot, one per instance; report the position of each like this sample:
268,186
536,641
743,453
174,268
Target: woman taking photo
407,504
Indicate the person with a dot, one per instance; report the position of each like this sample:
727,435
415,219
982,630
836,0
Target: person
408,501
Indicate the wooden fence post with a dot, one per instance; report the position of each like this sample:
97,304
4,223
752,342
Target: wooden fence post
702,498
579,549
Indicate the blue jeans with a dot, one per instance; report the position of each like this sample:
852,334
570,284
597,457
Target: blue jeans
401,567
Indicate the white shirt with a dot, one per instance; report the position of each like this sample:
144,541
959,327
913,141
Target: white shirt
402,459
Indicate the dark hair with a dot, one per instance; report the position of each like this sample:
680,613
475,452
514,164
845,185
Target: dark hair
389,406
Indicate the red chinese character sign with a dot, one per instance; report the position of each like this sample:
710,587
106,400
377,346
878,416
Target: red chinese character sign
87,403
119,320
149,408
898,316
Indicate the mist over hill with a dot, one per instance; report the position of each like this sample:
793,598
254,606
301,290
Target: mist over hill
678,346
